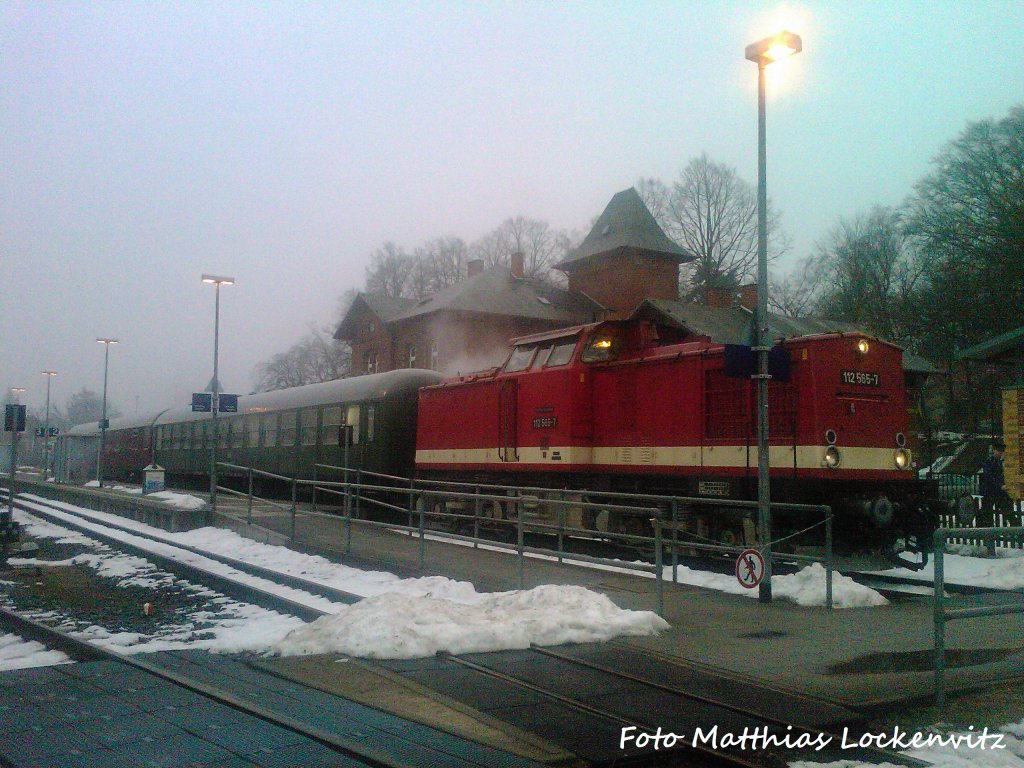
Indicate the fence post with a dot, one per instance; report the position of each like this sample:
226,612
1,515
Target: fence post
675,541
476,519
412,484
313,506
659,557
295,488
939,612
561,532
519,537
828,558
421,507
248,518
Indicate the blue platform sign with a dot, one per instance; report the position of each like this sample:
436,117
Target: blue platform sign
202,402
227,403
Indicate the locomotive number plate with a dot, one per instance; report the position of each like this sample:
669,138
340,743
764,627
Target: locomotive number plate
863,378
545,422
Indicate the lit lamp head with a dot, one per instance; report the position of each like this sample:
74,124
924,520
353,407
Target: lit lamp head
218,280
48,373
108,342
778,46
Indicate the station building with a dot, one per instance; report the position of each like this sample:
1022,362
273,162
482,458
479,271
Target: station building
625,267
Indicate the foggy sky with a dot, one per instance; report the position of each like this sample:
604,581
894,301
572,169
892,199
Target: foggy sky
143,144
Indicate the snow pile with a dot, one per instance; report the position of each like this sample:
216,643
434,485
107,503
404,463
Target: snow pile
16,653
807,587
178,500
1003,572
393,626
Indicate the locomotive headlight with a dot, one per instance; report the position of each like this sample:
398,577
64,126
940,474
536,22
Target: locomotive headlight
832,457
862,346
902,458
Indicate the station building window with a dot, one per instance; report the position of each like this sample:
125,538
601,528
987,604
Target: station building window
412,356
370,361
433,356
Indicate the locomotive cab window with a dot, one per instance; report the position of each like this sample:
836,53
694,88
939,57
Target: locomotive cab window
520,359
600,348
561,353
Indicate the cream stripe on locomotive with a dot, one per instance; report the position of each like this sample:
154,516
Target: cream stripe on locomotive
721,456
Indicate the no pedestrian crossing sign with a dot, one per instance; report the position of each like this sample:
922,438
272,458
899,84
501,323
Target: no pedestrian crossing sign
749,568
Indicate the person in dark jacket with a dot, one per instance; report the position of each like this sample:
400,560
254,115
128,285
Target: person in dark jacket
992,488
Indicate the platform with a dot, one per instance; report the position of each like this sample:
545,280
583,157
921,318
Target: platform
861,658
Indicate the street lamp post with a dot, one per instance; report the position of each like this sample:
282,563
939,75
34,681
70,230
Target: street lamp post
46,430
103,419
217,281
763,53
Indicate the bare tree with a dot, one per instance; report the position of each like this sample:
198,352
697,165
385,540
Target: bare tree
315,358
542,247
389,271
796,293
438,264
85,406
712,213
870,274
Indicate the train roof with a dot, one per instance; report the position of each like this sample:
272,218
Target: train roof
732,325
354,389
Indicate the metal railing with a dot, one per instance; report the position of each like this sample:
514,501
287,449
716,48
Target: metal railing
427,501
942,615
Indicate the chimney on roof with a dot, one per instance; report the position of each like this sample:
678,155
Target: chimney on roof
748,296
516,263
720,298
474,267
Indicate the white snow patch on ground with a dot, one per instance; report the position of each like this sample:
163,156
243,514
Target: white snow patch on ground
393,626
16,653
1006,571
400,617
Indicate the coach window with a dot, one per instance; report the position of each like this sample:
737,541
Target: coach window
204,435
307,419
352,419
175,437
287,432
223,433
371,412
330,429
269,423
195,437
601,347
237,432
520,359
252,430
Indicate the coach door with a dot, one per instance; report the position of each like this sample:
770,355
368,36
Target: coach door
508,411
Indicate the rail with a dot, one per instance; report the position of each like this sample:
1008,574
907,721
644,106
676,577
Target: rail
942,615
427,500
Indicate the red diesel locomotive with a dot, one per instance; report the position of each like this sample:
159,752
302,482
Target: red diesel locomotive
635,406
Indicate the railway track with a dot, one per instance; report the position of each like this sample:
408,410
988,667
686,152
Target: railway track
588,704
219,707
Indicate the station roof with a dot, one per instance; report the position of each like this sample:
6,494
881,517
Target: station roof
732,325
1004,345
626,224
493,291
